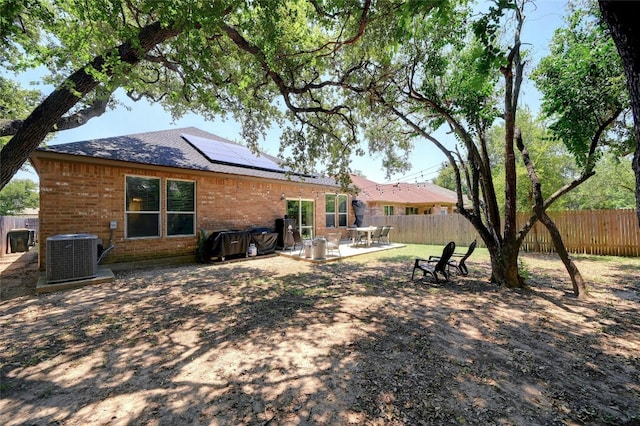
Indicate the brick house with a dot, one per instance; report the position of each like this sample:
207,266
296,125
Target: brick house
404,198
160,188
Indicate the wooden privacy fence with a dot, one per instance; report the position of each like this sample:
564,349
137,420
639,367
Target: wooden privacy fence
428,229
601,232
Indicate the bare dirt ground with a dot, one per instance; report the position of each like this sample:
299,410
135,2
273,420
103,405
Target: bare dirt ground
274,341
18,274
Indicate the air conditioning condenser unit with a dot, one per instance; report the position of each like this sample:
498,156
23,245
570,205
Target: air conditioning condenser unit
72,257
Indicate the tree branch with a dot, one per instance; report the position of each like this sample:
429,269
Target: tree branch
77,119
44,117
285,89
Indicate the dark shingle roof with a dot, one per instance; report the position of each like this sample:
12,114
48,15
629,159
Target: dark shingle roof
170,148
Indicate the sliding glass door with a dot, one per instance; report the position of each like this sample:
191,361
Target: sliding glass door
303,212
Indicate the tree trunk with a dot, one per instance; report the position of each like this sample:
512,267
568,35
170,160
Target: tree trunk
504,266
579,288
536,242
77,119
36,127
508,273
621,18
534,228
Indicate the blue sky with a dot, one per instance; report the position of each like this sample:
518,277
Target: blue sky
144,117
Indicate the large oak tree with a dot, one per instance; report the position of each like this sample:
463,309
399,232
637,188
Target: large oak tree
226,57
442,74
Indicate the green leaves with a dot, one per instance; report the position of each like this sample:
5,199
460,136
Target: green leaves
18,195
16,102
487,30
553,164
582,82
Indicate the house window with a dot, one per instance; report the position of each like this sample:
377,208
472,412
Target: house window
330,210
181,208
335,210
142,209
388,210
342,210
411,210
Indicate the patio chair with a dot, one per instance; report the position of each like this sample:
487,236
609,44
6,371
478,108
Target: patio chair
375,235
433,267
297,240
333,242
384,236
459,265
358,237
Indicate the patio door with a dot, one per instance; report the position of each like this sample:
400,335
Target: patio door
303,212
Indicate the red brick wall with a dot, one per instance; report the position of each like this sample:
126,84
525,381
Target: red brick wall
83,198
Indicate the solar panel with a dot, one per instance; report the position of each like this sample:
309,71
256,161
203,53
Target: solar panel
229,153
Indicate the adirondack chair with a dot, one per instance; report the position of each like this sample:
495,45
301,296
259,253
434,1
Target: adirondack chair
459,265
433,267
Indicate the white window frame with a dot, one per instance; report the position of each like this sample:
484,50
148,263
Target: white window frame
336,213
330,214
388,210
344,214
308,230
127,212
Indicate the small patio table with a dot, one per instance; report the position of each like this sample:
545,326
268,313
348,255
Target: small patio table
367,229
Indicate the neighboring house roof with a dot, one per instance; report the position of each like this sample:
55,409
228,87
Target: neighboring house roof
181,148
403,193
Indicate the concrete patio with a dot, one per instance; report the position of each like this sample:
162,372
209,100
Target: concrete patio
347,249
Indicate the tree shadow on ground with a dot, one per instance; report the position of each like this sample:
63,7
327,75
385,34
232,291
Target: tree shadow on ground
335,343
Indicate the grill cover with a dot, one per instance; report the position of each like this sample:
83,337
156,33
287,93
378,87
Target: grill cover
265,242
358,210
226,243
